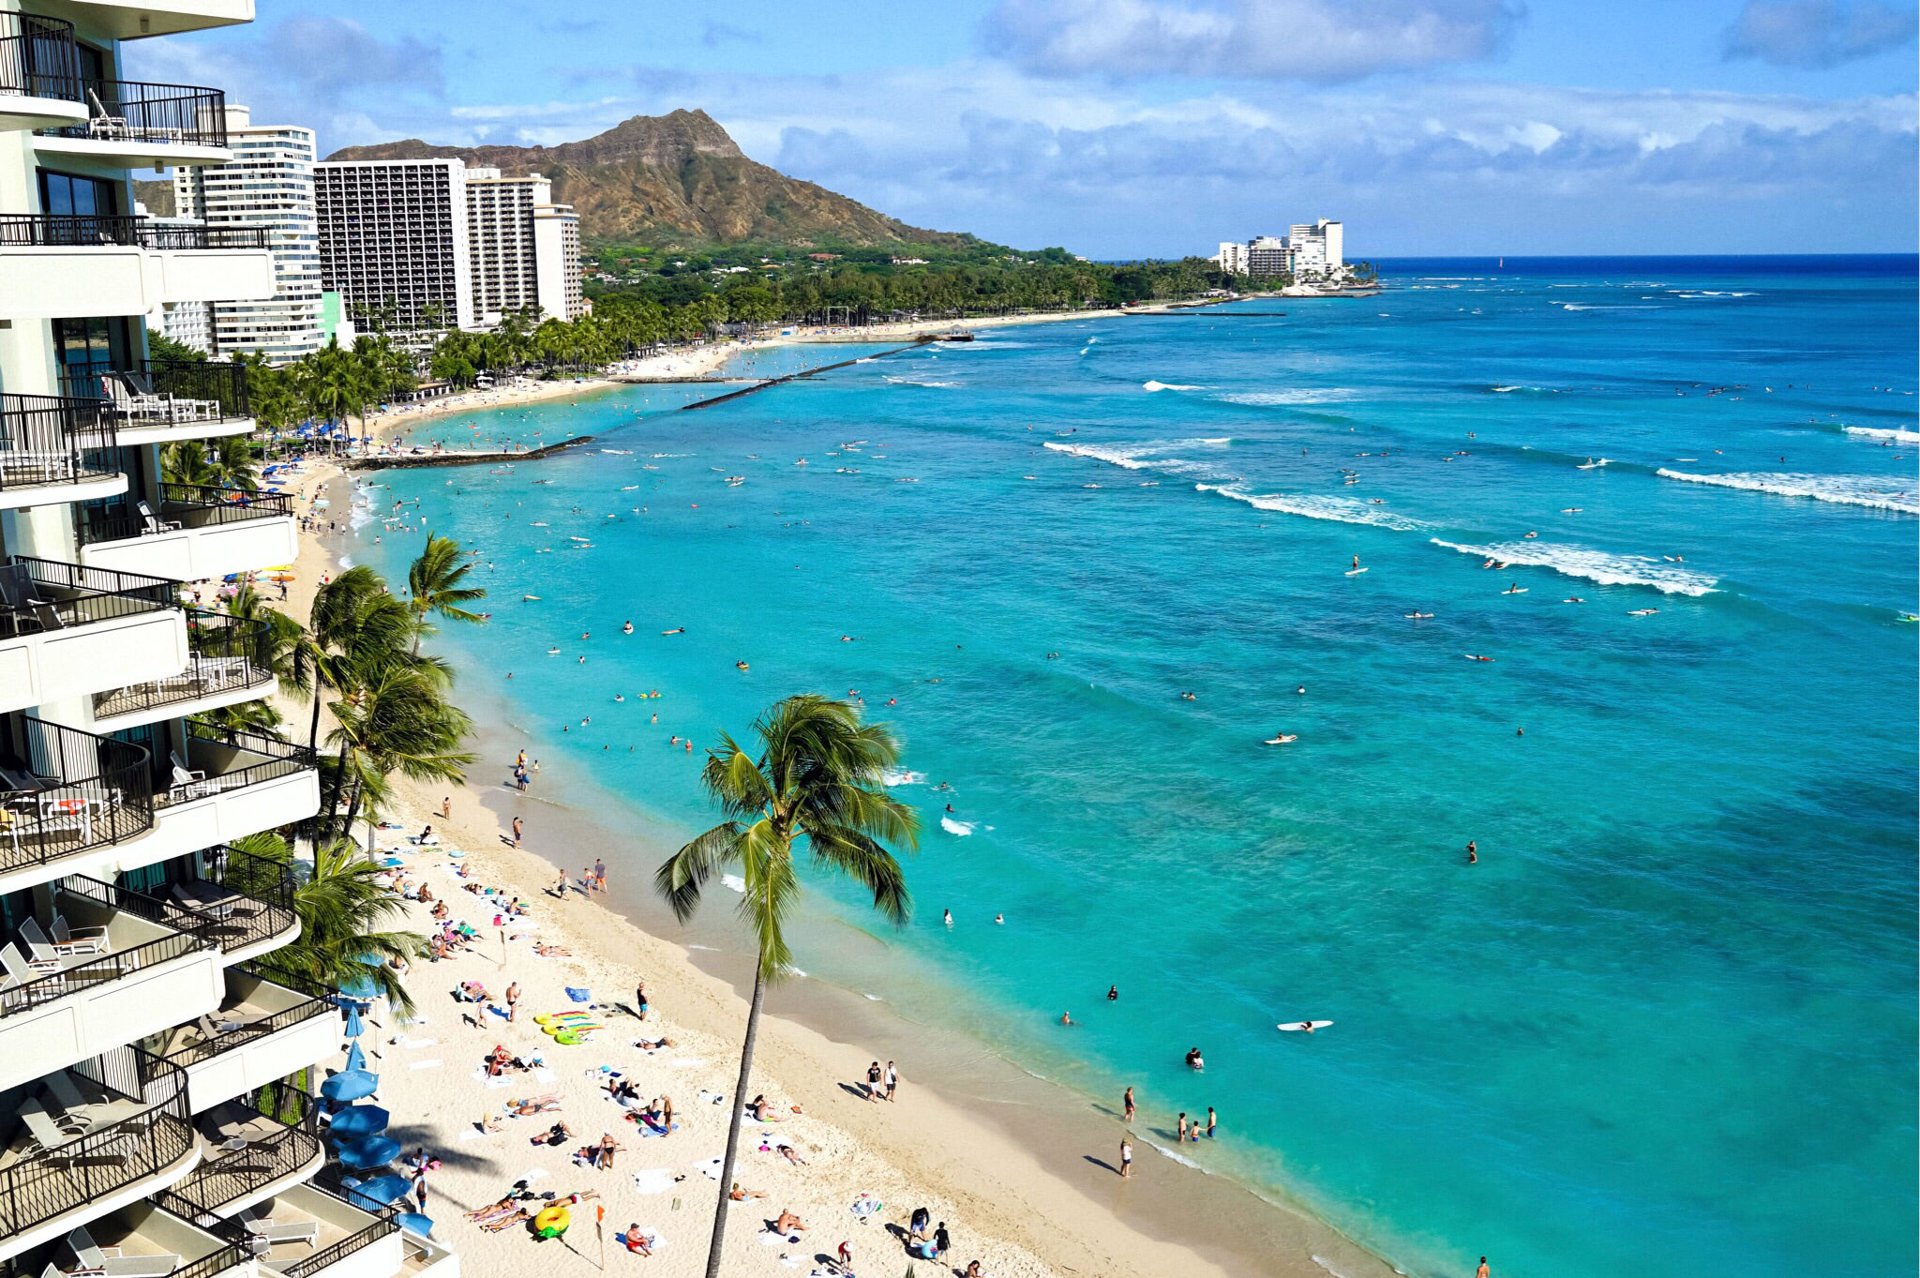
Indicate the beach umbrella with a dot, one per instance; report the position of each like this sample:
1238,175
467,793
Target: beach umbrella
370,1151
360,987
356,1059
414,1222
379,1191
354,1028
359,1120
350,1086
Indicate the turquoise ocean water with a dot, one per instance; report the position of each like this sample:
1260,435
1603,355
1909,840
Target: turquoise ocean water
1665,1026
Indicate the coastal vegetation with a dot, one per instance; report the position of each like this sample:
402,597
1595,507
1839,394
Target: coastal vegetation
814,779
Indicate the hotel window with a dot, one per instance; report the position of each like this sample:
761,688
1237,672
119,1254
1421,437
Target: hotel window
71,195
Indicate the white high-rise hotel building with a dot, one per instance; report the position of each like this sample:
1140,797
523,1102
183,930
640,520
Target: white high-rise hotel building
1309,251
152,1071
268,184
416,245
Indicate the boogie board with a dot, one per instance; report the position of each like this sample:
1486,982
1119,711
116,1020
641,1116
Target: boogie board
1356,572
1296,1026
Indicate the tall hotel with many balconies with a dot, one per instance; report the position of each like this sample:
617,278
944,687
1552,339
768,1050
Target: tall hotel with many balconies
149,1072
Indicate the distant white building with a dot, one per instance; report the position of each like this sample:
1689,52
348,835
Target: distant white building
1309,251
267,184
526,248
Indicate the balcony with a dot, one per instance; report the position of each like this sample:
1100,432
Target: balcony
66,629
135,126
263,1030
39,73
135,1138
159,401
247,1155
98,971
245,906
69,799
230,660
227,785
54,448
56,265
144,1240
119,20
347,1241
195,534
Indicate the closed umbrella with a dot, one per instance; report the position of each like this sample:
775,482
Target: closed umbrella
379,1191
353,1027
350,1085
356,1059
359,1120
370,1151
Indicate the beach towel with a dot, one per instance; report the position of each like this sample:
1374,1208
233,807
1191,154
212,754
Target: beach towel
650,1128
655,1180
579,995
426,1064
474,1133
651,1236
687,1062
711,1098
772,1239
414,1044
709,1168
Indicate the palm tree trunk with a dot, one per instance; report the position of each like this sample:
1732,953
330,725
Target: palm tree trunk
733,1128
313,723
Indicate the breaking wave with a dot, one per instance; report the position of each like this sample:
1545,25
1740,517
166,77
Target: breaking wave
1593,565
1846,490
1873,432
1281,398
1341,510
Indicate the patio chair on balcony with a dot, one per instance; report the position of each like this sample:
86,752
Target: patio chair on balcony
291,1231
189,783
108,1261
19,969
104,126
20,595
207,898
145,401
82,940
44,948
76,1112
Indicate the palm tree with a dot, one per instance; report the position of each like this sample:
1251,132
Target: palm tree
354,626
435,582
343,915
399,720
817,777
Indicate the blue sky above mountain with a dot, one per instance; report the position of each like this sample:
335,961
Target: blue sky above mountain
1128,127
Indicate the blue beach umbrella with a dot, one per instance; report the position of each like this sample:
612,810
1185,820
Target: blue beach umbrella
414,1222
353,1027
349,1086
360,987
356,1059
371,1151
359,1120
379,1191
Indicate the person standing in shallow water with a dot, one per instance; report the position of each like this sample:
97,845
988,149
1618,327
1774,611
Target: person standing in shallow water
1126,1104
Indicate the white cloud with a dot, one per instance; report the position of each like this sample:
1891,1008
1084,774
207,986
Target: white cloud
1308,40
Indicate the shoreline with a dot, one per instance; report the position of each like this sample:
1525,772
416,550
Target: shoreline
1017,1164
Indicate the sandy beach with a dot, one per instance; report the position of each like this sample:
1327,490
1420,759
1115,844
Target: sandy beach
1022,1173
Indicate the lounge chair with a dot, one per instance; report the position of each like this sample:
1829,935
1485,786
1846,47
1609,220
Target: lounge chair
104,126
112,1263
20,595
84,940
77,1111
189,783
151,523
207,898
44,948
45,1133
20,969
145,401
306,1231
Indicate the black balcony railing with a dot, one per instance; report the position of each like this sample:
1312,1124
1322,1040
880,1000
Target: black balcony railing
223,759
93,230
181,506
67,791
151,114
185,936
53,439
287,1148
48,1184
317,1262
39,58
228,654
248,902
40,596
208,1048
136,393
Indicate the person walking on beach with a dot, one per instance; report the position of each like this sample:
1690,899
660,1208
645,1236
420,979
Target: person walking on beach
446,808
640,999
873,1082
1126,1103
516,831
1126,1159
600,873
892,1079
513,999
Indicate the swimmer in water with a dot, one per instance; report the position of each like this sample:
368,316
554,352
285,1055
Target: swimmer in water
999,920
1194,1060
1113,993
627,629
946,916
1188,696
1473,852
1066,1018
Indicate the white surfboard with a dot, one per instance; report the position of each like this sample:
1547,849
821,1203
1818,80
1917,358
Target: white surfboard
1283,739
1356,572
1294,1027
1521,591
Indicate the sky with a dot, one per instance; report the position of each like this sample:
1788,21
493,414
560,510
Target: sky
1134,128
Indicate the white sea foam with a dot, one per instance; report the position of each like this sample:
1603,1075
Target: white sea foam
1874,432
734,882
1342,510
346,562
1870,491
1304,395
1147,455
1160,386
1594,565
900,776
958,829
1182,1159
914,381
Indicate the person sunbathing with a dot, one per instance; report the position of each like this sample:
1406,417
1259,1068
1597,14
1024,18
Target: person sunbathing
740,1195
652,1044
762,1111
788,1223
637,1241
558,1134
551,951
790,1154
534,1105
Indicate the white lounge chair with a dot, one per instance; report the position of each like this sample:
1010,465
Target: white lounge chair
113,1263
306,1231
189,783
151,523
103,126
20,969
44,948
77,1112
83,940
46,1134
